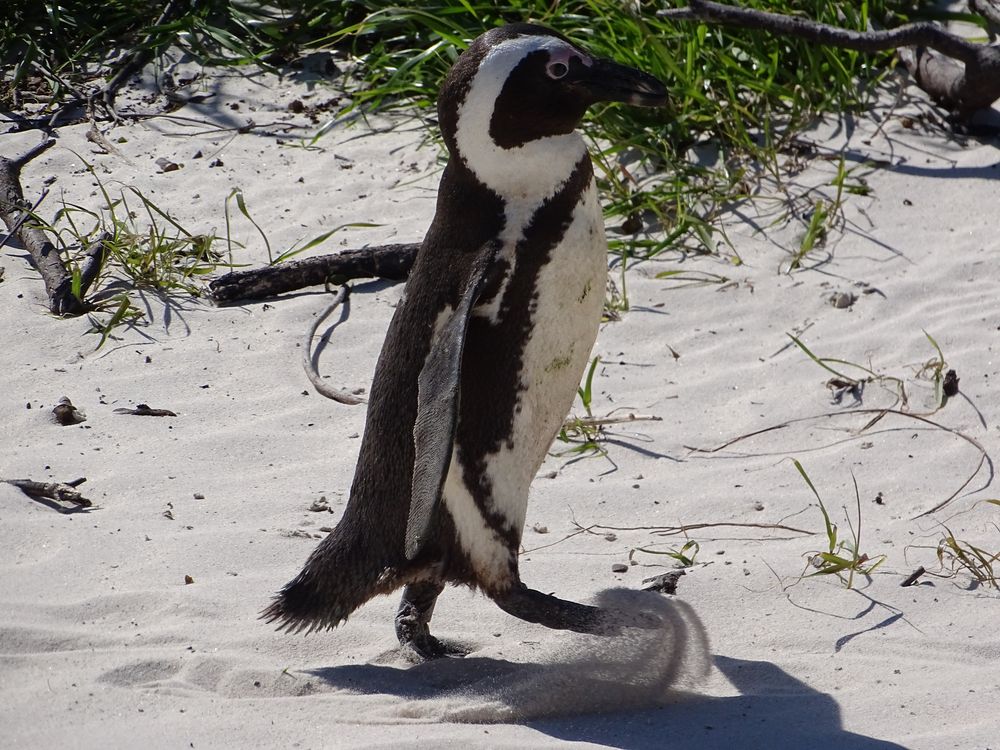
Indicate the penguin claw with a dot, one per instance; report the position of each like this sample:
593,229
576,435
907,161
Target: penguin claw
428,648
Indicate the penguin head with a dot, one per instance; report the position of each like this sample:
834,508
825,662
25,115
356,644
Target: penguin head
524,83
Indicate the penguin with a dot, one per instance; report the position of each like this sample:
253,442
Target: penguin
485,351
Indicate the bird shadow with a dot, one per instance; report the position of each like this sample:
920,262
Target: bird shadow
773,709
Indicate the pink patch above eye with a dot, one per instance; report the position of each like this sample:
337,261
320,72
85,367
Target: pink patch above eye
565,55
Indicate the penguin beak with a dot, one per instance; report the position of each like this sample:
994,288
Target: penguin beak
607,81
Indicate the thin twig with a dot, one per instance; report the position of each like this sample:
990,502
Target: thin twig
603,421
984,457
684,529
309,365
580,530
912,578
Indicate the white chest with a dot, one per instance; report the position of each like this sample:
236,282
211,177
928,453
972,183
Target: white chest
565,317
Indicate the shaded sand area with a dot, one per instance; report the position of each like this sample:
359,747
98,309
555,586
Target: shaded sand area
104,644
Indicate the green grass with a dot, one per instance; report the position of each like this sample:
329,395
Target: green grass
583,436
956,554
683,557
745,92
843,557
740,95
145,249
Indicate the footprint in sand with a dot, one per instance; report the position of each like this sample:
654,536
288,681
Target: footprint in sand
142,673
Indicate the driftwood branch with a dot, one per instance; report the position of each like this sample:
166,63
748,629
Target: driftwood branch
44,255
961,75
63,492
391,262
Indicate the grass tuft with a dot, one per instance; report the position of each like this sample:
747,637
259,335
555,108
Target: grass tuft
955,554
842,557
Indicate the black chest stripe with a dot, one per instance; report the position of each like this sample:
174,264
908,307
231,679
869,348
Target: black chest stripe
494,352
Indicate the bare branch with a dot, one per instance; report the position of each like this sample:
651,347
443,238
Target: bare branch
931,54
923,34
44,255
64,492
391,262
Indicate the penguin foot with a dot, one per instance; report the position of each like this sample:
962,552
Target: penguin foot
421,648
429,648
560,614
413,623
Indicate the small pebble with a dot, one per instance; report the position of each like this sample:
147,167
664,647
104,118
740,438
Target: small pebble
842,300
166,165
619,568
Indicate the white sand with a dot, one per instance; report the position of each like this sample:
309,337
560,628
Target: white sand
104,645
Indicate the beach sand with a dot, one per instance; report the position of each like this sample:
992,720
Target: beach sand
104,644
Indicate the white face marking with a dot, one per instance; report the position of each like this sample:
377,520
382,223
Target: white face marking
527,174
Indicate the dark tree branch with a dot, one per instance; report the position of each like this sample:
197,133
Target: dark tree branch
965,89
12,230
924,34
44,255
383,261
64,492
14,210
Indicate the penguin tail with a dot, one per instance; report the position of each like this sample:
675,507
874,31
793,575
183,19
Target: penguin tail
329,588
297,608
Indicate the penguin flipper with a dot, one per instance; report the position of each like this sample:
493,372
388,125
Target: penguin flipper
437,404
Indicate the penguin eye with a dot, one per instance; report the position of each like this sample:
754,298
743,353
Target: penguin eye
557,70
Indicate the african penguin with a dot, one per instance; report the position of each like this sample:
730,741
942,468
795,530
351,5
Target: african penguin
485,350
